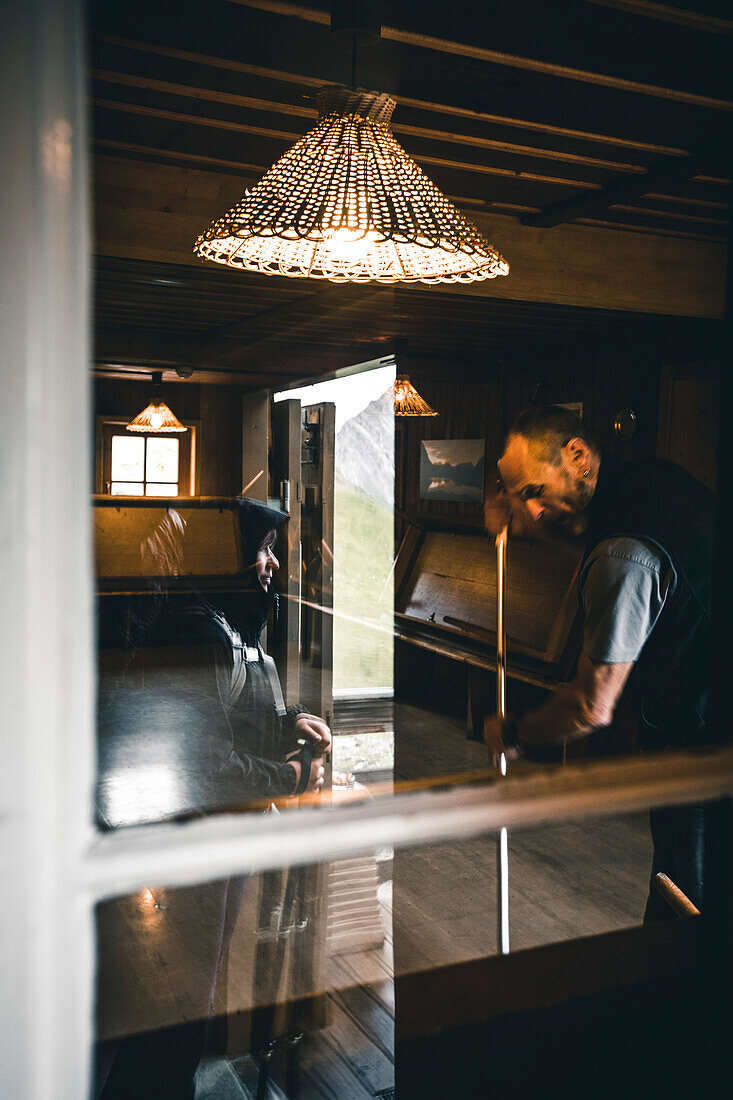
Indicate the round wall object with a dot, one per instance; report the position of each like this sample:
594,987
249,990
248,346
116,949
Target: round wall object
624,423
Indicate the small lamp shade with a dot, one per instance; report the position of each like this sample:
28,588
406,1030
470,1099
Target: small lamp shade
156,417
407,401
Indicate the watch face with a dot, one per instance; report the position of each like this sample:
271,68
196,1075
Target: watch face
624,423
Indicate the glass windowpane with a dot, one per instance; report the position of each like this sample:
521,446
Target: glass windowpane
161,460
126,488
162,489
128,455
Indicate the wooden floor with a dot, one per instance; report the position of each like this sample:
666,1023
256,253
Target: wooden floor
434,904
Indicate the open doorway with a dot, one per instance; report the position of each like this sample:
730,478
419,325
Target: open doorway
363,557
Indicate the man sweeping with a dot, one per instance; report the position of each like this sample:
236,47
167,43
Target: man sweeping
644,587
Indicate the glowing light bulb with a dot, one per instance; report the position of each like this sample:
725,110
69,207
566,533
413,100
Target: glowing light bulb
348,244
156,420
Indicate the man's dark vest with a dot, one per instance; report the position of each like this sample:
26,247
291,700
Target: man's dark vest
661,503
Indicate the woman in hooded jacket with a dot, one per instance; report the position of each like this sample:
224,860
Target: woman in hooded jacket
192,694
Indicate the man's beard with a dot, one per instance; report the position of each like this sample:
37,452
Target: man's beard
575,522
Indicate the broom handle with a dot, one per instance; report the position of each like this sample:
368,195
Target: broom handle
502,842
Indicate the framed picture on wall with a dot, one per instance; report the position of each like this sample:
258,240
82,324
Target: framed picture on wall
452,470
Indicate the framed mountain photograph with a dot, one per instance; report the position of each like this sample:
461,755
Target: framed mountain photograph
452,470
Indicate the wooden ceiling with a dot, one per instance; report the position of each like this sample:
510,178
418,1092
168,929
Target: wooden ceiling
609,120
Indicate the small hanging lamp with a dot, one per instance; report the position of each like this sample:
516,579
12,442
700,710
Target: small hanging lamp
348,204
407,401
156,417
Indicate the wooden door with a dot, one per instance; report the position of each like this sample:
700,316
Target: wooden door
317,478
286,484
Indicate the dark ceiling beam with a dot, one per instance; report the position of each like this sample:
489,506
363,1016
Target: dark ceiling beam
291,137
603,80
248,379
626,188
452,110
152,154
171,156
667,13
444,21
199,94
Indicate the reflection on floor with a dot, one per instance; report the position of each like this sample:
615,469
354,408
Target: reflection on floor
438,901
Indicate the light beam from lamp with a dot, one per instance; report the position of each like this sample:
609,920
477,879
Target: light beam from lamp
156,418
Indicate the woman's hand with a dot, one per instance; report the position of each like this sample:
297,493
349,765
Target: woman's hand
315,731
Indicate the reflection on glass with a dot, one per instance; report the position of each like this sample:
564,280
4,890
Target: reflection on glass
315,950
303,952
128,455
161,459
191,711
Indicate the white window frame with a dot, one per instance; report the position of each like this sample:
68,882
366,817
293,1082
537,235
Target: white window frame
55,867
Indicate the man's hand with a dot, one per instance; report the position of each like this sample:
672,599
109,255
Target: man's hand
315,782
315,731
494,742
497,513
500,512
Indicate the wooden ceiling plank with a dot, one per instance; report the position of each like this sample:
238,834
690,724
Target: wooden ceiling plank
286,316
472,49
650,212
246,128
687,200
420,104
603,80
278,107
628,187
651,230
668,13
249,171
334,302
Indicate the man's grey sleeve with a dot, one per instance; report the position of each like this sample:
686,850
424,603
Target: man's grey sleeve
623,587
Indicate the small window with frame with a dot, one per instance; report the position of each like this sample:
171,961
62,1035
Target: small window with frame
145,464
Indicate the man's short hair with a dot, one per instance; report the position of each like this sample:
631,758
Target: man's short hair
550,428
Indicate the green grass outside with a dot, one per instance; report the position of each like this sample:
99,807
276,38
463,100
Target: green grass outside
363,554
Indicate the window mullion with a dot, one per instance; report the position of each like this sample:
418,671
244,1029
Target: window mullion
203,850
46,950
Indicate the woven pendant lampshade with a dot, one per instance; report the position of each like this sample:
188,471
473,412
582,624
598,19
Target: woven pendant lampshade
156,417
407,401
348,204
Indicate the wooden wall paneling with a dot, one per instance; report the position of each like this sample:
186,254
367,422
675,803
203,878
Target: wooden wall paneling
255,444
221,443
605,380
468,401
689,414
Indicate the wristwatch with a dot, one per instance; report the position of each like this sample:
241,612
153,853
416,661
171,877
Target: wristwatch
509,733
